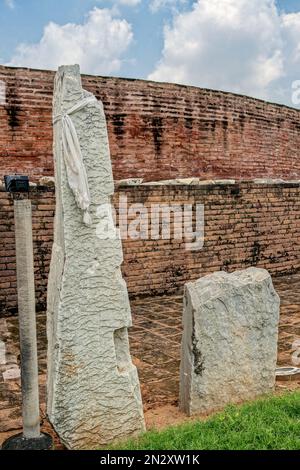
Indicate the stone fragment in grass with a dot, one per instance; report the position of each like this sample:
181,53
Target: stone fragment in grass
229,345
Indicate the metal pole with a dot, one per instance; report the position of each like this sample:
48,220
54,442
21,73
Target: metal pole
27,321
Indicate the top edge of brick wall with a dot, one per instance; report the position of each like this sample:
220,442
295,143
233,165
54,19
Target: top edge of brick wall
49,186
156,84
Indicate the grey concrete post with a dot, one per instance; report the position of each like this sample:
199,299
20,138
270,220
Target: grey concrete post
27,322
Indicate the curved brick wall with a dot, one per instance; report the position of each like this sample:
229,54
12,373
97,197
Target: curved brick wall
246,224
156,131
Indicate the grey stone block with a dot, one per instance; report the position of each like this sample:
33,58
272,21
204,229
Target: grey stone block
229,345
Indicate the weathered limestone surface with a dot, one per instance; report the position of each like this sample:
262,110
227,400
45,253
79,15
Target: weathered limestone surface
93,387
229,345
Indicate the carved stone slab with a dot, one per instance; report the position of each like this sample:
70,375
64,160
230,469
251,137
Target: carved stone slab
93,387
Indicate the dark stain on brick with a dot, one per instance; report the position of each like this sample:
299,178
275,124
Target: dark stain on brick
12,112
297,125
12,108
242,119
205,124
279,122
157,130
225,124
118,121
188,122
280,255
235,191
226,265
256,252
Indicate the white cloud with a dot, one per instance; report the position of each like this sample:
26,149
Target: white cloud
243,46
10,4
130,3
156,5
97,44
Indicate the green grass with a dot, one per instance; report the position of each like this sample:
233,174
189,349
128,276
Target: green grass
269,423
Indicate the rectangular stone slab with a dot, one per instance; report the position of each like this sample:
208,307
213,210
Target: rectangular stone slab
93,387
229,345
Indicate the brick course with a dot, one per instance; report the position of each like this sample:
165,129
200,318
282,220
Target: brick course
156,131
245,224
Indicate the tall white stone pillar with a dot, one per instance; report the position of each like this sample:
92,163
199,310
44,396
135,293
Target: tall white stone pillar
93,387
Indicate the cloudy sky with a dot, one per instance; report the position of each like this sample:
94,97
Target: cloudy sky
245,46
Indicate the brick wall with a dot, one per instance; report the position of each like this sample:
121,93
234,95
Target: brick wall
156,131
43,206
245,224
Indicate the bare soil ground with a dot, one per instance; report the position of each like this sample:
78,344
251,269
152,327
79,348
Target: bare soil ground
155,347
